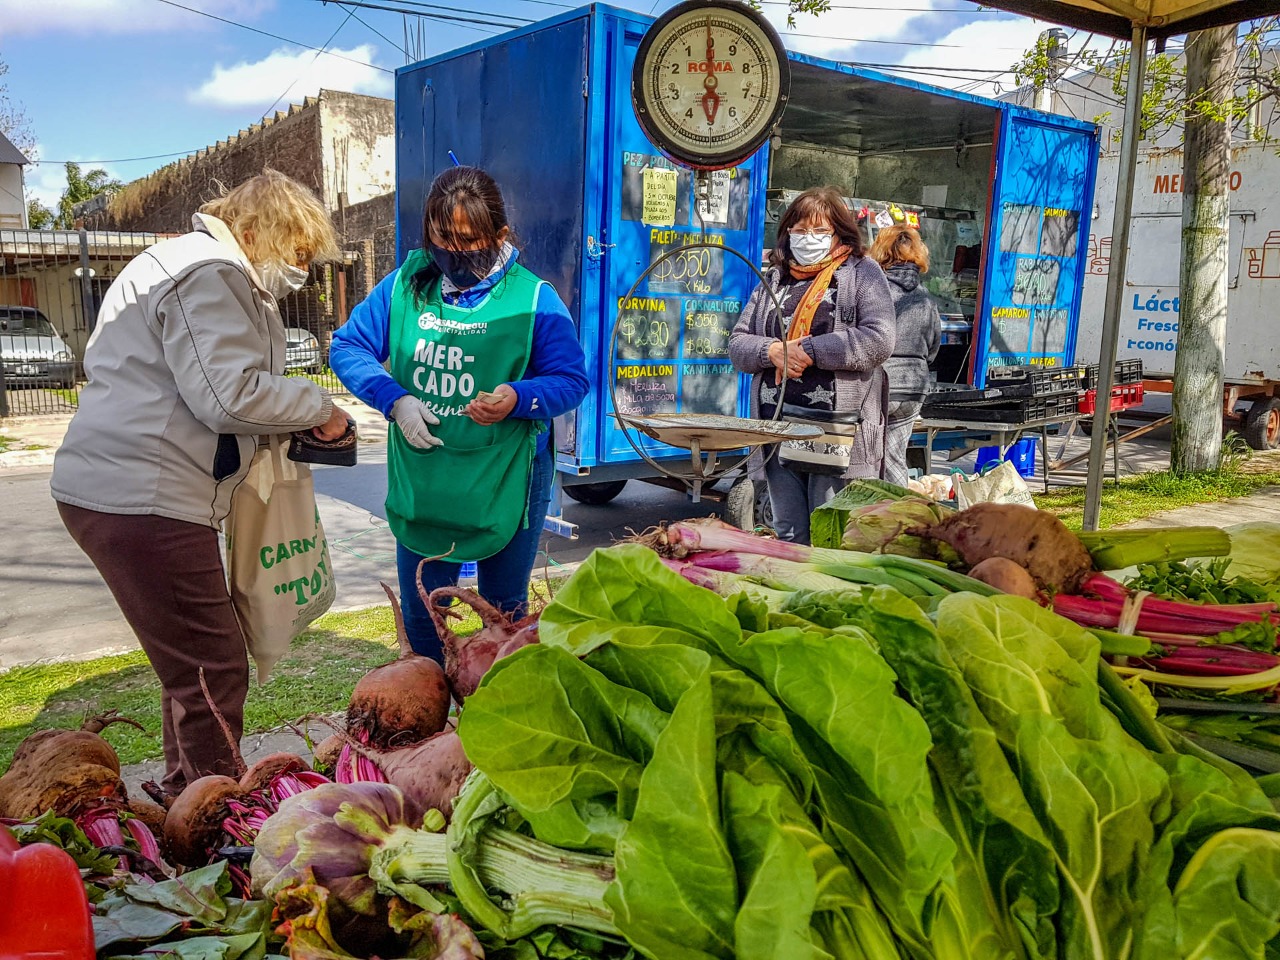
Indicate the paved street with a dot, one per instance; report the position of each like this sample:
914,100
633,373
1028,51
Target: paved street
53,605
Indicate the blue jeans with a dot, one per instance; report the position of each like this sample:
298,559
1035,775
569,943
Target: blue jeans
503,579
794,495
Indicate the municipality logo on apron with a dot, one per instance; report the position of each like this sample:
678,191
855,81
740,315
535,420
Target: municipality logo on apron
429,321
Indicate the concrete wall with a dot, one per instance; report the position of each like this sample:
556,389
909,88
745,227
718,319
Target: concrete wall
165,200
13,208
358,147
799,167
341,145
369,228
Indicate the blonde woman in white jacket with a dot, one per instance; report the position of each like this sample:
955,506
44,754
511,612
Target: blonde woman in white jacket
185,372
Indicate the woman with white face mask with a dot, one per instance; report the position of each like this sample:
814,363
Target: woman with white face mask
186,372
821,359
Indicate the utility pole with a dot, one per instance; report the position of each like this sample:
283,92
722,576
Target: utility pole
1054,43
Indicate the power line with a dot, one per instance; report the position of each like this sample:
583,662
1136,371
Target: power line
859,6
294,82
892,43
156,156
264,33
447,18
370,26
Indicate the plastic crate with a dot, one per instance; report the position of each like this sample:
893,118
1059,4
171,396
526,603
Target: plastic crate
1036,381
1123,397
1005,409
1126,371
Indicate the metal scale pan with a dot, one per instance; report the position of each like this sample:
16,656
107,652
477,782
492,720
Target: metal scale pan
706,435
684,112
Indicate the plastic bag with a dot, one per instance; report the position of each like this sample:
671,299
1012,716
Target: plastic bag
1000,484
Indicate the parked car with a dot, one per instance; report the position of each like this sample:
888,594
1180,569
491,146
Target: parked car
31,351
302,351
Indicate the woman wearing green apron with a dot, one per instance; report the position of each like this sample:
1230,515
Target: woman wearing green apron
482,356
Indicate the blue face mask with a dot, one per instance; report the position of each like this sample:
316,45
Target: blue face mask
464,268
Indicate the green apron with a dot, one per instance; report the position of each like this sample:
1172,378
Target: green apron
471,494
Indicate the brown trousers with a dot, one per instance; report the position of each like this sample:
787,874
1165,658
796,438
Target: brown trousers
168,579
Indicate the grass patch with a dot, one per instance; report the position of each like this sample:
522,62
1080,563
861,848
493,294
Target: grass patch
6,443
1147,494
317,676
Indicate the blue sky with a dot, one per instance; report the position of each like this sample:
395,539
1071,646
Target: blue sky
105,80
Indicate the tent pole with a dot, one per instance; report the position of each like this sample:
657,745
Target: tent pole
1122,217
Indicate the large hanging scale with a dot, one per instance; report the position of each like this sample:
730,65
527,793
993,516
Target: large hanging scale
709,86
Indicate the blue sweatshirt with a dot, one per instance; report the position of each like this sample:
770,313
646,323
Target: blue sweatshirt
554,383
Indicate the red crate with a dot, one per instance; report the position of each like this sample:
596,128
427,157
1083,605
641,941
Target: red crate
1123,396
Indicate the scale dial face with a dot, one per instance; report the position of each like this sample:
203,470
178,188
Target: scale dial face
710,82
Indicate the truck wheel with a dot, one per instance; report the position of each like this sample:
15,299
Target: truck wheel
595,494
1262,424
747,506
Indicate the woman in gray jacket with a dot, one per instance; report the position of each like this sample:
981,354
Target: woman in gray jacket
837,321
185,372
905,258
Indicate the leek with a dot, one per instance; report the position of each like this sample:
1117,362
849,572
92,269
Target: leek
1118,549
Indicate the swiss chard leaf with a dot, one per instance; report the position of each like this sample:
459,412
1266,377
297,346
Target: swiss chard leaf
626,595
868,749
1227,902
1004,853
1096,793
554,735
672,859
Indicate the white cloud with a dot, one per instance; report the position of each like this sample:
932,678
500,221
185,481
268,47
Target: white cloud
256,84
978,50
840,28
26,17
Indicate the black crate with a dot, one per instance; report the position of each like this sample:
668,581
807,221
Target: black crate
1036,381
1126,371
959,393
1004,409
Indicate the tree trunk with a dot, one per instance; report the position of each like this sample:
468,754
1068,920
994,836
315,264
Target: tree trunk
1206,172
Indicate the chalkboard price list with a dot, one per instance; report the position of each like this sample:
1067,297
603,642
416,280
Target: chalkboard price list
707,326
648,328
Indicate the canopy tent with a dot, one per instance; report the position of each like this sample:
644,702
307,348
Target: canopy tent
1140,21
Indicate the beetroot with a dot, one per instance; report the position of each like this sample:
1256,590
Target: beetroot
193,825
264,772
467,659
402,702
429,774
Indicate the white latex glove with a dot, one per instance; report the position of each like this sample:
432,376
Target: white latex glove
413,418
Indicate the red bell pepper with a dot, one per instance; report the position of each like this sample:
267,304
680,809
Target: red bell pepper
44,912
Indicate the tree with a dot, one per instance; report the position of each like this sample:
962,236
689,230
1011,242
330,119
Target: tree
1206,176
81,187
13,120
1225,76
39,217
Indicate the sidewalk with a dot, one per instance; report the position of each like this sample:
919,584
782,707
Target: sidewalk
36,439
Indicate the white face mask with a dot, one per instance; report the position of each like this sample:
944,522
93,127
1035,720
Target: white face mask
809,248
280,278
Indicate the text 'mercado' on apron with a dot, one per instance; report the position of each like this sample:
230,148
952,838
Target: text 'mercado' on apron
469,495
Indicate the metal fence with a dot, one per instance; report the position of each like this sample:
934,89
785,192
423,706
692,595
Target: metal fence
52,284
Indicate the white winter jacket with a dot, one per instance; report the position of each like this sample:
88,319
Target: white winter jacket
184,374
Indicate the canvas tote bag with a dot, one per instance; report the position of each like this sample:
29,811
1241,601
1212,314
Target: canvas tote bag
281,577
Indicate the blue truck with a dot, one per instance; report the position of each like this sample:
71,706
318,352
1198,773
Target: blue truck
1003,196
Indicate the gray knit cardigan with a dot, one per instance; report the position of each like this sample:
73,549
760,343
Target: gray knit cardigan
855,351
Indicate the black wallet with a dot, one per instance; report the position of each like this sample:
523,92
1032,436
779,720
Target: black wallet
306,447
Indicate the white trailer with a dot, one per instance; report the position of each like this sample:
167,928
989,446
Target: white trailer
1150,308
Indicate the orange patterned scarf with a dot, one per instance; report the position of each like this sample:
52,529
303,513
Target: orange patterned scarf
822,272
